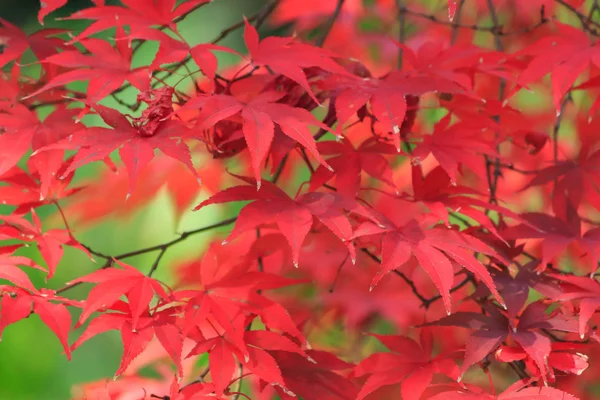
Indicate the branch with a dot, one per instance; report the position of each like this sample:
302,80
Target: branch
259,18
402,29
161,247
425,302
556,127
587,23
496,29
521,171
408,281
492,177
330,22
456,22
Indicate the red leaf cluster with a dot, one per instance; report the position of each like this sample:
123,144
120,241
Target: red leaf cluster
430,169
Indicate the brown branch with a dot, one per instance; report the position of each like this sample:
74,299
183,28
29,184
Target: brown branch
330,22
456,22
492,176
258,18
587,23
425,302
521,171
496,29
556,127
401,29
161,247
406,279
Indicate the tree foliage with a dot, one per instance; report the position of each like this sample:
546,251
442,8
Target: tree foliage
419,180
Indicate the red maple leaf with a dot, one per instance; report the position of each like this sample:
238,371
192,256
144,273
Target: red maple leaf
456,145
50,243
41,43
316,378
23,299
260,115
348,163
106,68
112,283
433,248
580,288
489,331
136,142
387,96
138,14
137,329
23,130
410,364
288,57
565,357
514,392
565,55
558,232
294,217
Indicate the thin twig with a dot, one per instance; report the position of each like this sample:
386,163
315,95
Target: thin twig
456,22
330,23
161,247
402,30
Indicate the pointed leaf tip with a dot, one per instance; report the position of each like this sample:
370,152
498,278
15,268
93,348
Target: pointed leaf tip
451,9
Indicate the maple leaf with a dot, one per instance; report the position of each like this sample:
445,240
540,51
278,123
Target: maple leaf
138,14
17,304
564,357
23,130
48,6
8,265
41,43
457,63
387,96
136,143
258,359
105,69
433,249
286,56
137,329
316,378
565,55
578,178
350,162
456,145
50,243
228,288
558,232
437,191
112,283
493,329
410,363
173,51
580,288
260,115
514,392
294,217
